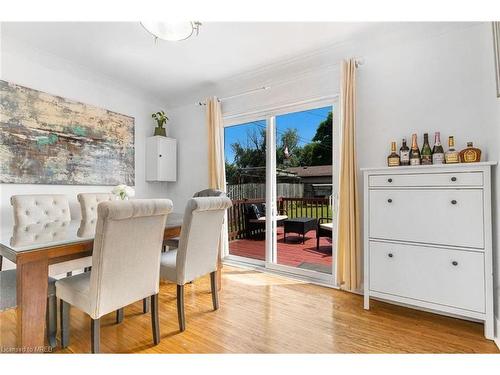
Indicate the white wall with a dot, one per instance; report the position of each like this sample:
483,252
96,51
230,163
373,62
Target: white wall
26,66
415,78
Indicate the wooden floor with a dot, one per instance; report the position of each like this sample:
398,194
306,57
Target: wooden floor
292,253
262,313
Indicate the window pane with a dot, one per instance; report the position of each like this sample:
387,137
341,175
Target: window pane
245,153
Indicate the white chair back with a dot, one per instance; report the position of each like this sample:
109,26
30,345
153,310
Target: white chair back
200,233
88,204
126,257
40,208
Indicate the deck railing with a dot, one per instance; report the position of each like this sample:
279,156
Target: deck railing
292,207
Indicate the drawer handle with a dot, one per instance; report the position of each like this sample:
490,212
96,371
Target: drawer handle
159,155
455,263
453,179
390,255
389,180
453,201
389,200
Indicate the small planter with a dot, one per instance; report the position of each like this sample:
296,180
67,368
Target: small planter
161,119
160,131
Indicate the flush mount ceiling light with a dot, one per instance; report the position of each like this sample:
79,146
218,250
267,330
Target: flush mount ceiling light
172,31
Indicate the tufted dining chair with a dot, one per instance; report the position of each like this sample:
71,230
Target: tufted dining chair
88,207
37,209
198,248
173,243
125,265
88,204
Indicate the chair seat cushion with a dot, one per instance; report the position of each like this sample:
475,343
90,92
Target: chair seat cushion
168,266
75,290
327,226
262,219
70,265
8,296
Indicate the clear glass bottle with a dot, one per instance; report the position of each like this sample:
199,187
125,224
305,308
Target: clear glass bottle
426,153
393,159
451,156
437,151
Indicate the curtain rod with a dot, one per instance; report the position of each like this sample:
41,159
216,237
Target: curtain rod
358,61
248,92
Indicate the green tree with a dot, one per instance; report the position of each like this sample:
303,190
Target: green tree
323,142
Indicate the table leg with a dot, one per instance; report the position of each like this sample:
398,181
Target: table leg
32,284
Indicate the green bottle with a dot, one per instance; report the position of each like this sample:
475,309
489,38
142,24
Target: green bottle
426,153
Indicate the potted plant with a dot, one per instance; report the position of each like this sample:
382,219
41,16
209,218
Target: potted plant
161,119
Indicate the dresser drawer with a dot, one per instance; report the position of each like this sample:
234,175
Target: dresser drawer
447,277
428,179
433,216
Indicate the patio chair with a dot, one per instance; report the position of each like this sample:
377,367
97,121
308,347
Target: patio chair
324,229
255,218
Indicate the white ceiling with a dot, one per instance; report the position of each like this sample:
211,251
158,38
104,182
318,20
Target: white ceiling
124,51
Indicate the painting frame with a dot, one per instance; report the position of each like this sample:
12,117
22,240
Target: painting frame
496,50
52,140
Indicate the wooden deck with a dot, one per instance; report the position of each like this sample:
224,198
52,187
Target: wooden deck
292,253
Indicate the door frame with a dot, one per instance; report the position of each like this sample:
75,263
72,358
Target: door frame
269,115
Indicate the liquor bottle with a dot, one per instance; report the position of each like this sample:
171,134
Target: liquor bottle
470,154
426,153
437,151
414,152
451,156
404,153
393,158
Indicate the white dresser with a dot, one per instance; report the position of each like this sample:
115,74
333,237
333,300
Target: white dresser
428,239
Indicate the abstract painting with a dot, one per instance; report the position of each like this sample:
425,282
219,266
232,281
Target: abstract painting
47,139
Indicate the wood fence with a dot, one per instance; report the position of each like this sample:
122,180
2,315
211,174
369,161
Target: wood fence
258,191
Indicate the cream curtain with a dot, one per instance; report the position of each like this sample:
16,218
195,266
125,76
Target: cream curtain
216,169
348,245
216,176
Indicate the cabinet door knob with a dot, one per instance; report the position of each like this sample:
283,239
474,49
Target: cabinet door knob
455,263
453,179
389,200
159,155
453,201
390,255
389,180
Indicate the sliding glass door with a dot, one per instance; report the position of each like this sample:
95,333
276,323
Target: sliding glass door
281,175
245,154
304,188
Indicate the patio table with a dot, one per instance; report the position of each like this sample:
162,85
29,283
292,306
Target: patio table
299,225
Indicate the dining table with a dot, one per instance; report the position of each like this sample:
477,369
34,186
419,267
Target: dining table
36,246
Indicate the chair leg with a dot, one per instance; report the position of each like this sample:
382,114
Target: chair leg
69,274
119,316
64,324
95,331
180,308
52,321
215,295
155,320
317,241
145,305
